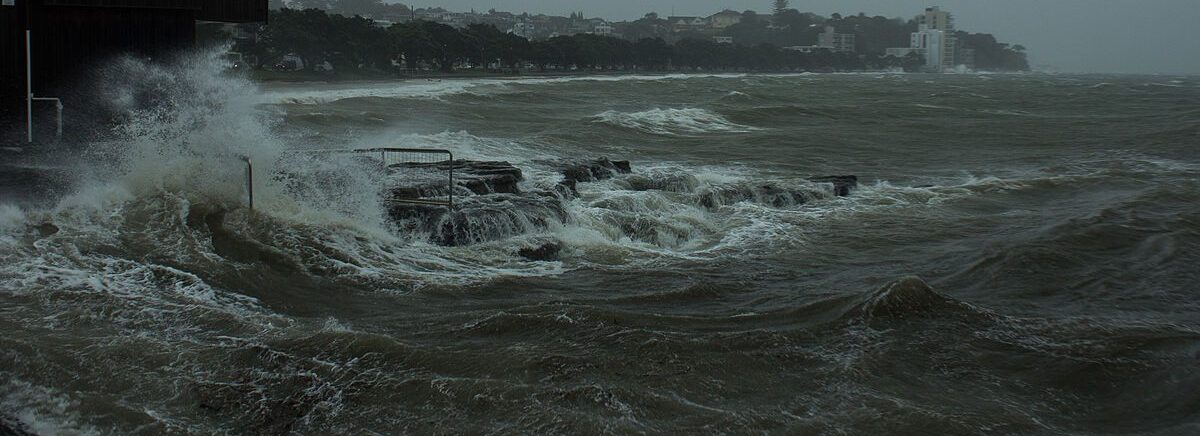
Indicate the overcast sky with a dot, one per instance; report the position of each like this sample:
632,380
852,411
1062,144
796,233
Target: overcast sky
1131,36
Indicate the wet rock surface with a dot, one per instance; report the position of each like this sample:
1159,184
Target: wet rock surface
547,252
481,218
592,171
476,177
491,203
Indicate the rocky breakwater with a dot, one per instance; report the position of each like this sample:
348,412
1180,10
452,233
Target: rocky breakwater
490,203
492,200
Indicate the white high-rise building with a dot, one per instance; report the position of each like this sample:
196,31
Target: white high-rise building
931,44
935,40
836,42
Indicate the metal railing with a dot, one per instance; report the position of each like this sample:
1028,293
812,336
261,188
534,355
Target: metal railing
410,158
30,98
414,158
249,179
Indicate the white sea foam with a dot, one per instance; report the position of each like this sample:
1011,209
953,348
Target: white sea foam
435,89
673,122
428,90
41,410
11,217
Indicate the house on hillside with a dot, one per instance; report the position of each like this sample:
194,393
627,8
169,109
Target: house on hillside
687,24
724,19
602,28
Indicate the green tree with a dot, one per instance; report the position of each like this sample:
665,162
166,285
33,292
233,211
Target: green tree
306,33
780,6
652,54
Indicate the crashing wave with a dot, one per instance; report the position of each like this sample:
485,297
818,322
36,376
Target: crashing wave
673,122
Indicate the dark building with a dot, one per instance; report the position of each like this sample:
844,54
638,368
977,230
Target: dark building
71,37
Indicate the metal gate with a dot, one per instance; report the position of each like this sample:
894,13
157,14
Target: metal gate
417,176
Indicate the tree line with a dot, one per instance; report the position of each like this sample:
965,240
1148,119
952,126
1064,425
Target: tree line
354,42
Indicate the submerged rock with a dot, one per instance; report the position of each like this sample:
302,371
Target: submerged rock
768,194
547,252
592,171
664,182
568,186
842,185
482,218
47,229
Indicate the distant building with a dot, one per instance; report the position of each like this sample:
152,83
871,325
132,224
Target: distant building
604,29
939,48
836,42
932,44
723,39
687,24
524,29
934,40
936,19
724,19
966,57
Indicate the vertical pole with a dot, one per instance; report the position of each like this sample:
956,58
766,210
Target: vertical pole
59,105
250,180
452,181
28,85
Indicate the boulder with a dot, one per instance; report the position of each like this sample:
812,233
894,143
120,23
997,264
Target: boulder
842,185
47,229
547,252
592,171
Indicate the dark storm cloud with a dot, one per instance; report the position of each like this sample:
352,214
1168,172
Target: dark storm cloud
1157,36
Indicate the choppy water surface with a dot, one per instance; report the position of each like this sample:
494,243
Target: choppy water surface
1021,258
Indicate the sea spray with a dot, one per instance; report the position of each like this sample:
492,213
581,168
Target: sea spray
190,127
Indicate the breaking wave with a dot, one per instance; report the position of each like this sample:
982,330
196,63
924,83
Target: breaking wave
436,89
673,122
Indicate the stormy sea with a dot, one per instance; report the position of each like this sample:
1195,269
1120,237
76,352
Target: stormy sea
1018,255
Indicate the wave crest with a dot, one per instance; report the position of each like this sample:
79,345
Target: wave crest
673,122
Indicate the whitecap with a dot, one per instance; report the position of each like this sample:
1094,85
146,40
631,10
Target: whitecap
673,122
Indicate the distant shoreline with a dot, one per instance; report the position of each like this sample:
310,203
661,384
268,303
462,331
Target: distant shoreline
311,77
272,77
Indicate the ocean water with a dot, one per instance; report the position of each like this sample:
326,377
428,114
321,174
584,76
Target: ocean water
1020,257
